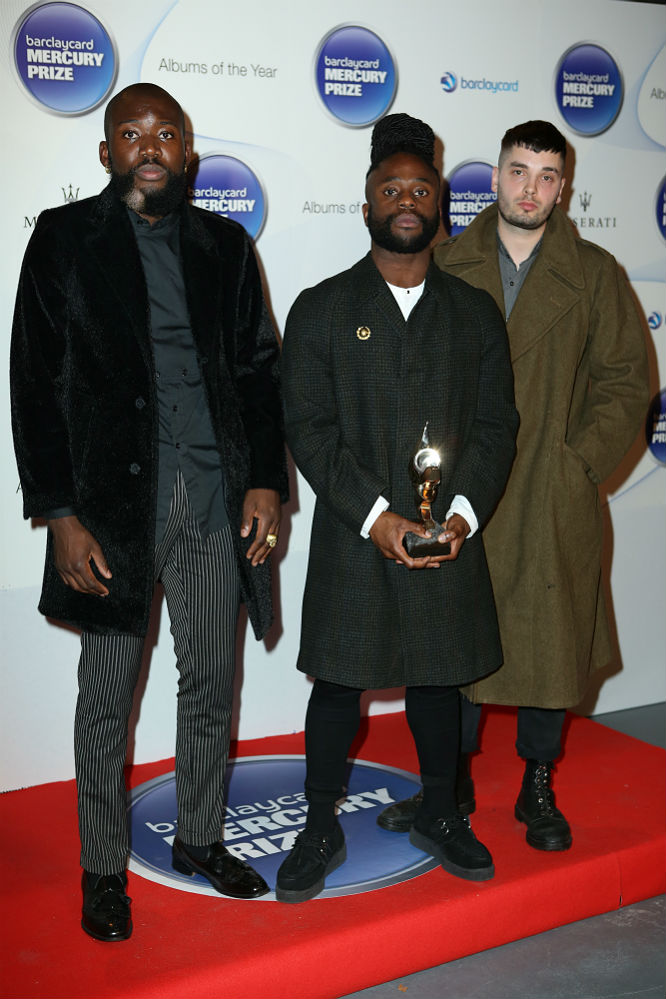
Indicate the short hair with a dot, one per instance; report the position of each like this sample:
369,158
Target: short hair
149,87
539,136
400,133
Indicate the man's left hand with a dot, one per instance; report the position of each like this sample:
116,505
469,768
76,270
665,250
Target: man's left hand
262,505
456,530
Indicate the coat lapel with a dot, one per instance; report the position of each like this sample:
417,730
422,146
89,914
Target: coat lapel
111,245
556,273
553,286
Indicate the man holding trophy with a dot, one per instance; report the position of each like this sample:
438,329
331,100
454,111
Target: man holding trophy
399,413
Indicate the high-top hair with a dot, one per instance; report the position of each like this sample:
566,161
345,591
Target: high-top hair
539,136
400,133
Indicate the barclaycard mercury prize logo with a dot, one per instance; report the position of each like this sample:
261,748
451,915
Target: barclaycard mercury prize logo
227,186
355,75
655,427
64,57
588,89
470,191
265,811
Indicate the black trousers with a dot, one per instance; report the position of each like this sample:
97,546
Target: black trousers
202,594
539,730
332,720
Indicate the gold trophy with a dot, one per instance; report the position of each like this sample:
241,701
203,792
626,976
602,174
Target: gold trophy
425,472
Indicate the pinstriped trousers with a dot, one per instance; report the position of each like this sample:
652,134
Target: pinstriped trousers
202,593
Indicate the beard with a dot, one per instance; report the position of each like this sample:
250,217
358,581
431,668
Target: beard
411,241
520,220
155,204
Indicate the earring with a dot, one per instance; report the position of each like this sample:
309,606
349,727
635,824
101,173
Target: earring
108,169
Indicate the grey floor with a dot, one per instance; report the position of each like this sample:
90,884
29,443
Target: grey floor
619,955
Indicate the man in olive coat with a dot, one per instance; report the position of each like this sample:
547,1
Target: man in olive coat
369,356
148,432
579,364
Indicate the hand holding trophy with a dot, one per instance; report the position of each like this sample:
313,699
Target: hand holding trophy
425,472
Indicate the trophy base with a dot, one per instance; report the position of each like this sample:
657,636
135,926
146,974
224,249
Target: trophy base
418,547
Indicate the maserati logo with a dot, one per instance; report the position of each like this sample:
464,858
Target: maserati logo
69,194
585,200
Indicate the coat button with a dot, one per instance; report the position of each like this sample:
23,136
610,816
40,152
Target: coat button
139,402
134,468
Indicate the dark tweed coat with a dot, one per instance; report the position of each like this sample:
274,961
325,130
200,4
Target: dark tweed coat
83,394
355,409
580,369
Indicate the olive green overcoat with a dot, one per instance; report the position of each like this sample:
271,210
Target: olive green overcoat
580,371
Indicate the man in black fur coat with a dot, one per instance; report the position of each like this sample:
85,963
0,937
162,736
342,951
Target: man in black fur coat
147,426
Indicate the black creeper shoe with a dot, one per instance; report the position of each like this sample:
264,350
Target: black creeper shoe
303,873
452,842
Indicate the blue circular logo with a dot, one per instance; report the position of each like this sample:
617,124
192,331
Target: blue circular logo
660,208
588,89
470,191
64,58
655,427
228,187
655,320
355,75
266,810
449,82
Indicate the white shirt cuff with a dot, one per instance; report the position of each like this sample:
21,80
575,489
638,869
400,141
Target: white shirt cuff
462,507
380,504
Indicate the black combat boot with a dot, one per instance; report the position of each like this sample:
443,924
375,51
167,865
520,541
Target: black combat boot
547,828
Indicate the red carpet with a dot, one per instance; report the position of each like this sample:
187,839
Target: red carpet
185,945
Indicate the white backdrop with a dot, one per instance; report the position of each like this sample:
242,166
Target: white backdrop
247,81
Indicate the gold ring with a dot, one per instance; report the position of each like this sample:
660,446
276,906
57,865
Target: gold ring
271,540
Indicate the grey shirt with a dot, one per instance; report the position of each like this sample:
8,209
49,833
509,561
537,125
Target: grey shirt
513,277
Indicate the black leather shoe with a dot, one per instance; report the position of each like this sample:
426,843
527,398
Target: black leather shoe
228,874
452,842
302,874
400,816
106,908
547,828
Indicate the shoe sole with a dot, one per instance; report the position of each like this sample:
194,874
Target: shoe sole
185,867
428,845
305,894
549,845
404,824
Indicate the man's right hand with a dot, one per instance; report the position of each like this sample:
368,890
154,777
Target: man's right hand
387,534
73,549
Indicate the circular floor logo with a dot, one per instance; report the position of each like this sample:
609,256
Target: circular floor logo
355,75
64,58
588,89
266,809
229,187
660,208
655,427
470,191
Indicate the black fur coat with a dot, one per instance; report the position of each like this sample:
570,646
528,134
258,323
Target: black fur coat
84,408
